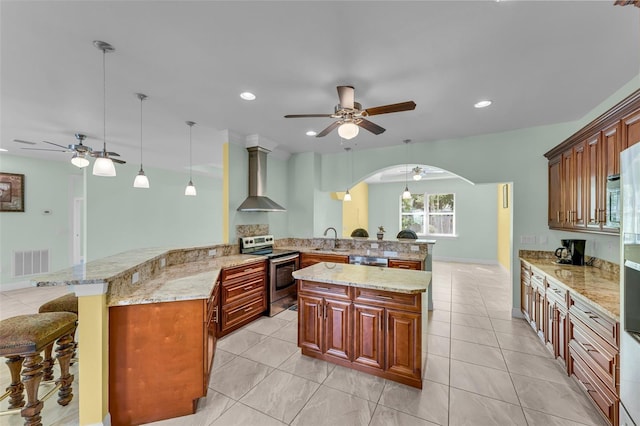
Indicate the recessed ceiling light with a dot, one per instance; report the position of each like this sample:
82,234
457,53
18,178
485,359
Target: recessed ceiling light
247,96
482,104
311,133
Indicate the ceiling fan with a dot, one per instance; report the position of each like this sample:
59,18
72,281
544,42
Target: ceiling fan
80,151
350,115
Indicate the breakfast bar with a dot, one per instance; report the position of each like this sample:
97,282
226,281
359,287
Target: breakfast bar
365,318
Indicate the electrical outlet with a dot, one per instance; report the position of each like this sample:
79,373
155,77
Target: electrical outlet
135,277
212,252
415,248
374,245
527,239
163,262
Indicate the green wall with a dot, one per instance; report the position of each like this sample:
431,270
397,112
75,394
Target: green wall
476,225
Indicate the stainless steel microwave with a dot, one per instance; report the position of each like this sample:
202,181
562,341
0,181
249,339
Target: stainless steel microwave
613,201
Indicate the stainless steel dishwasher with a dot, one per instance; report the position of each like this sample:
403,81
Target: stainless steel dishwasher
368,260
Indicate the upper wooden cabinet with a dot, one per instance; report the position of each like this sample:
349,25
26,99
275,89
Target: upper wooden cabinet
579,167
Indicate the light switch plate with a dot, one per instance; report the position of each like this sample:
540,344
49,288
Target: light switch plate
135,277
415,248
163,262
374,245
212,252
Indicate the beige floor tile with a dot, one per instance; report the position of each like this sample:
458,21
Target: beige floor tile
536,366
307,367
536,418
469,409
435,368
474,335
362,385
439,315
209,409
280,395
438,328
473,309
437,345
237,377
266,325
431,403
511,326
241,415
239,341
555,399
288,333
526,342
469,320
475,353
483,380
270,351
385,416
332,407
221,357
288,315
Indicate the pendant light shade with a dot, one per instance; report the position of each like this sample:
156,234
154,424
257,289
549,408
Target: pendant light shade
103,166
348,130
190,189
79,160
141,180
347,196
406,194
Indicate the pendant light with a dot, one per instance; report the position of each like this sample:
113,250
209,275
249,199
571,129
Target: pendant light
406,194
190,189
347,195
141,180
103,166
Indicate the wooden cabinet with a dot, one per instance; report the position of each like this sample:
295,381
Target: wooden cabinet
525,290
374,331
243,295
537,320
211,333
160,357
556,308
405,264
308,259
579,166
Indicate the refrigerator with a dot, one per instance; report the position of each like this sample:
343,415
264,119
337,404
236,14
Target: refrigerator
630,287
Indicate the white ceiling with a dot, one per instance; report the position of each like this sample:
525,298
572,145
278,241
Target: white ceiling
540,62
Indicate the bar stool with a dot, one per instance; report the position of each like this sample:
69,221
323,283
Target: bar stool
66,303
22,338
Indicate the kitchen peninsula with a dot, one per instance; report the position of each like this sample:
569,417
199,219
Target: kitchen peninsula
363,317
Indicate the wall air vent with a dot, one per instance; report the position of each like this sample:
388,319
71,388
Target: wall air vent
30,262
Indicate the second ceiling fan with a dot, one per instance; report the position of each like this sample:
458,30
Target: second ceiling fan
350,115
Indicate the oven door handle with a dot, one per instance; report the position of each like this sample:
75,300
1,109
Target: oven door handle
279,260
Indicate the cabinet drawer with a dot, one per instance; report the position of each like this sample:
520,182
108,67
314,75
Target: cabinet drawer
307,259
405,264
237,313
236,290
244,270
407,302
600,355
557,294
604,326
325,289
603,398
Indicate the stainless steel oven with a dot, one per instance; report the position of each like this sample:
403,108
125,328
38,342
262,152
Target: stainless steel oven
282,285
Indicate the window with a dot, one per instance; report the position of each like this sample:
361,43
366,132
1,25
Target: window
436,217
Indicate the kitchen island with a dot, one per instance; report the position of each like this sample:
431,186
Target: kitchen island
365,318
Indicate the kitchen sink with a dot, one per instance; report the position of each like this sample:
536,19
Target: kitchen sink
337,249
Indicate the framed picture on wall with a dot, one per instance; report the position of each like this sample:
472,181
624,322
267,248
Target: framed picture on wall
11,192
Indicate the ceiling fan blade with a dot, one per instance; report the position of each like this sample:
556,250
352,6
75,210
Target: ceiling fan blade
306,115
47,149
52,143
328,130
23,141
113,154
386,109
372,127
347,96
115,160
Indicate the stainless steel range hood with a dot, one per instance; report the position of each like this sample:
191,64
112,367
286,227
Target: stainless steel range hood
257,201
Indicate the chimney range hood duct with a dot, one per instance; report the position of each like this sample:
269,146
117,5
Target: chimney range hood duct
256,201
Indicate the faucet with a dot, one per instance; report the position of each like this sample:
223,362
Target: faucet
335,238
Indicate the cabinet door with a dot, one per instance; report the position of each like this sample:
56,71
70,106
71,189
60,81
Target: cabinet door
403,343
210,333
337,329
550,333
310,322
612,145
631,130
579,185
596,182
369,336
555,205
561,341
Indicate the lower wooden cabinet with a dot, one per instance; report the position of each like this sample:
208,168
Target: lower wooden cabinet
405,264
243,296
374,331
160,356
308,259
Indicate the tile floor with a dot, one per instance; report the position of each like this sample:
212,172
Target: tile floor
481,367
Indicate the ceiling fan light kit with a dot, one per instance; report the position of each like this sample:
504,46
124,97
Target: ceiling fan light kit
417,173
79,160
350,116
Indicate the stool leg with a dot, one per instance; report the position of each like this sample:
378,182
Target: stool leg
47,364
64,351
74,357
16,398
31,377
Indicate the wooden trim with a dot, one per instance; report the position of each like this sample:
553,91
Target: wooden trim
616,113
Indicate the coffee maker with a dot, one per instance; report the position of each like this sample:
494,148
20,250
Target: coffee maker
571,252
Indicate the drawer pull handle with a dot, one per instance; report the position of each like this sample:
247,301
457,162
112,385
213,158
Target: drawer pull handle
593,316
247,288
323,288
248,309
379,296
589,347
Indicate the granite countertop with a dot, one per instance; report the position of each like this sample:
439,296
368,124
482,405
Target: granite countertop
594,286
389,254
188,281
388,279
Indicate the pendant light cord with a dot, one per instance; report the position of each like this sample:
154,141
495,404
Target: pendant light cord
141,99
190,154
406,165
104,102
